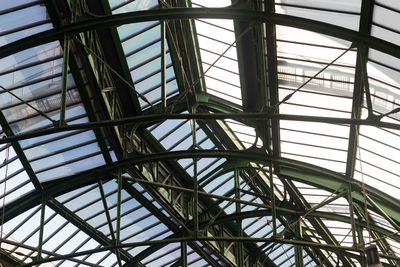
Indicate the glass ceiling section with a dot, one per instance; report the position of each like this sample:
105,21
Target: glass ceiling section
342,13
317,78
216,38
30,98
141,43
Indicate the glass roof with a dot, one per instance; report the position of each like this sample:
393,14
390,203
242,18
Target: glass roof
199,133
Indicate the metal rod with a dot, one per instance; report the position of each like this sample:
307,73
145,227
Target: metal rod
64,80
204,238
352,221
239,246
195,179
163,69
199,116
199,192
364,74
383,213
184,254
271,184
109,221
42,215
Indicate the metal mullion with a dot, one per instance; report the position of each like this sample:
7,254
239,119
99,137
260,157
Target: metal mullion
198,145
5,163
29,65
314,78
143,230
155,235
65,149
316,146
83,226
37,229
380,168
313,133
72,235
386,27
217,54
219,185
32,82
16,188
161,255
184,138
222,81
215,25
222,93
141,48
132,223
216,40
315,62
207,167
23,6
69,162
25,27
42,97
310,91
34,115
47,127
380,155
315,107
102,258
90,188
195,260
157,86
135,34
100,212
150,75
386,66
312,157
311,44
54,139
88,203
76,249
145,62
285,250
172,130
93,215
319,9
379,141
106,211
221,68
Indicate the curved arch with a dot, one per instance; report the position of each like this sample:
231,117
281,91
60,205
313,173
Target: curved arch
193,13
290,169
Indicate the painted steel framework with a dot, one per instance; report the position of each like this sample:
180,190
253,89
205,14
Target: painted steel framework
208,206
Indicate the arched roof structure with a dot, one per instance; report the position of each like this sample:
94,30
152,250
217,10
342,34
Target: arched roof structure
199,133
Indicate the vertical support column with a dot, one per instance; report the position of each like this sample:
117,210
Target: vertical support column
239,245
119,181
298,250
184,254
42,215
361,242
64,80
109,221
272,193
352,221
195,181
163,69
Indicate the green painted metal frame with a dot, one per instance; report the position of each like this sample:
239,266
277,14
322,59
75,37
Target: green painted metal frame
311,175
191,13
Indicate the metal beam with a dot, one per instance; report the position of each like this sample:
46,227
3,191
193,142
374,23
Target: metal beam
199,116
85,227
291,169
192,13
